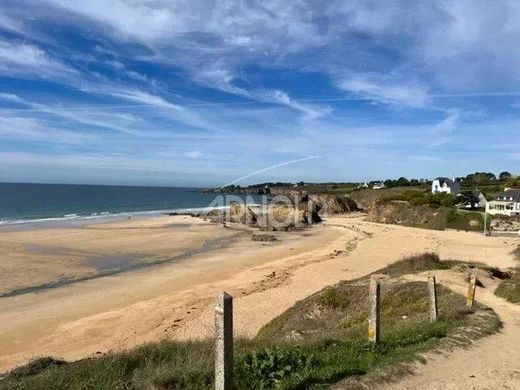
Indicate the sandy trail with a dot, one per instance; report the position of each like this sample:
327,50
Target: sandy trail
176,300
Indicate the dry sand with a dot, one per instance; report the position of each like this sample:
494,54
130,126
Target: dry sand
174,300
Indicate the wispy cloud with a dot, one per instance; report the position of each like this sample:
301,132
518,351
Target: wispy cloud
444,129
22,59
383,89
34,131
193,154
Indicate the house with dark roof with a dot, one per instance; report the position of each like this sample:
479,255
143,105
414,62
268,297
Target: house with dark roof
443,184
505,203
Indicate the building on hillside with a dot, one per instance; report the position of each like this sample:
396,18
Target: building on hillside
378,185
506,203
443,184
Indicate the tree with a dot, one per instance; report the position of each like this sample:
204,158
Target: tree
504,176
470,198
402,182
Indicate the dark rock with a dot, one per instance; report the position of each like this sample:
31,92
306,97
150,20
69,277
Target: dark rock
263,237
36,366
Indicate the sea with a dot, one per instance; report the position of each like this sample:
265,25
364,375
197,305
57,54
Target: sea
23,203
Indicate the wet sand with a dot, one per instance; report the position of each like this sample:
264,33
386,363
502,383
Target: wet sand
175,299
38,259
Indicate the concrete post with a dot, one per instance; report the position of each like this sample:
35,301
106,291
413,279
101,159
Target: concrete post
224,342
470,297
432,298
373,319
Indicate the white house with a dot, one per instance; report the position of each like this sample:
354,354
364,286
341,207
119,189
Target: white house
443,184
506,203
378,185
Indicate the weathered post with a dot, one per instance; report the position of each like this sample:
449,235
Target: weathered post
470,297
224,342
373,319
432,298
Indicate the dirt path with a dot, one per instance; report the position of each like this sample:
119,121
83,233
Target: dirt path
491,363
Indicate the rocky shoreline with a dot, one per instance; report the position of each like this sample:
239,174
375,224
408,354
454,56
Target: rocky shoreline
285,212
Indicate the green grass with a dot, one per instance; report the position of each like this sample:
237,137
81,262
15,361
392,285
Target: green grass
509,289
466,220
319,341
418,263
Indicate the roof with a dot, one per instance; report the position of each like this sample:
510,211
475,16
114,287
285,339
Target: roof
443,180
515,194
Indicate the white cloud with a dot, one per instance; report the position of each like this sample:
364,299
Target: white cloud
452,45
194,154
79,114
26,59
32,130
443,130
385,90
11,98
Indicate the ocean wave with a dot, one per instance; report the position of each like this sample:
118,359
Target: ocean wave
110,216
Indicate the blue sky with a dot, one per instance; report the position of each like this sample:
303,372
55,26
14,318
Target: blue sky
189,92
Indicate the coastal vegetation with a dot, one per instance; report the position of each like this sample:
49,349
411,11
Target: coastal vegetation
421,198
426,216
319,341
509,289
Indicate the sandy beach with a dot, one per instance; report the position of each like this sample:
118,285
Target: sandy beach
115,285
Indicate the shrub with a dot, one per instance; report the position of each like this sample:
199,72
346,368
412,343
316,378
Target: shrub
266,368
418,201
333,298
447,201
510,289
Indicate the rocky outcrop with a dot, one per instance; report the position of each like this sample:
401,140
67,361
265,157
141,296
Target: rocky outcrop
240,213
283,217
327,204
290,211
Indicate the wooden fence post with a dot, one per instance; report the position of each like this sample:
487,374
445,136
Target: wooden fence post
470,297
224,342
432,298
373,319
